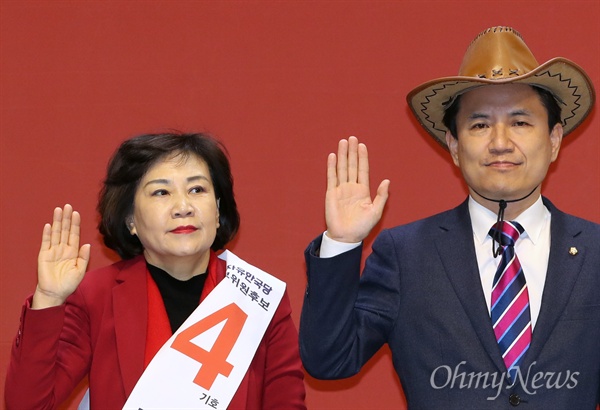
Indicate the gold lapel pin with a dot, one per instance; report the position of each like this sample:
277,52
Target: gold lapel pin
573,251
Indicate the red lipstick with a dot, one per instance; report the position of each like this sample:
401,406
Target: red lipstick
184,229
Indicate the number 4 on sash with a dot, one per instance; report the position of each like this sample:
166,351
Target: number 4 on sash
214,362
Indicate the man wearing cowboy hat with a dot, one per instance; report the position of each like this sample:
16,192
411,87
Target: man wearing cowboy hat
475,317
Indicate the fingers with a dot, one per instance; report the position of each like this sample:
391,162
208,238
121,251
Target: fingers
66,224
382,196
352,162
84,257
56,226
363,165
342,161
64,229
46,237
352,159
332,179
75,226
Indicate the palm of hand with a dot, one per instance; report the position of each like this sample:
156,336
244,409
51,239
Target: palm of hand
350,212
58,270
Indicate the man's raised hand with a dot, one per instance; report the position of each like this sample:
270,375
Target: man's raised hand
350,213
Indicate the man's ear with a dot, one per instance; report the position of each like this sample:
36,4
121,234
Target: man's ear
452,143
556,136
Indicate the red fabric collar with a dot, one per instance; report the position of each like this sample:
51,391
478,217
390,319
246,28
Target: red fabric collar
159,329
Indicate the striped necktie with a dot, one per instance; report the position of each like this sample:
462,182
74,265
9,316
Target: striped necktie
510,299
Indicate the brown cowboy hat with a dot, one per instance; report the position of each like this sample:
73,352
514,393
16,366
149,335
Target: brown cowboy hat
499,55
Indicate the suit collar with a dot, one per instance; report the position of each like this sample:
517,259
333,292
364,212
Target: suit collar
533,220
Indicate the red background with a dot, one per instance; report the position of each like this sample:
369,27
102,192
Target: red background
280,83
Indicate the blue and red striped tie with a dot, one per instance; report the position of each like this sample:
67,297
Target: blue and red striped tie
510,299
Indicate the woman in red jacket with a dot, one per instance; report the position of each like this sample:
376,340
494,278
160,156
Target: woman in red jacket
166,206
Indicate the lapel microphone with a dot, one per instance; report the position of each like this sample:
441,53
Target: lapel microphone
496,250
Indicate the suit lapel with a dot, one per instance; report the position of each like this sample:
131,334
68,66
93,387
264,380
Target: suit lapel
563,270
131,319
457,251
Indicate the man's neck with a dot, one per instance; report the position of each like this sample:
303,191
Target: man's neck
513,209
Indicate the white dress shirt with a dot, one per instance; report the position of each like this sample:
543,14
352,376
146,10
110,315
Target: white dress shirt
532,249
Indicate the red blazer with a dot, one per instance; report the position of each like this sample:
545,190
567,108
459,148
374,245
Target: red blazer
101,331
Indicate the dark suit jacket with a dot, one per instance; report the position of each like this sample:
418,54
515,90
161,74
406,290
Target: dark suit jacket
421,293
101,331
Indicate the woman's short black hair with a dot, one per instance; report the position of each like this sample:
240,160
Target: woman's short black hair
546,97
130,163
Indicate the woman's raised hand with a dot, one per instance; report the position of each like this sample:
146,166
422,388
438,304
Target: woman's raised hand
61,262
350,213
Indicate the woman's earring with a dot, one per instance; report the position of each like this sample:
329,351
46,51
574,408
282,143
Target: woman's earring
130,225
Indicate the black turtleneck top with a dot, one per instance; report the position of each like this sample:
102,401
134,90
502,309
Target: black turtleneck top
181,297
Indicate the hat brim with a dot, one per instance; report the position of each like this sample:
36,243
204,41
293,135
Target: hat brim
567,81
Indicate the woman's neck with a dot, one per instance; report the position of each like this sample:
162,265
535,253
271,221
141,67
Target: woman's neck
180,267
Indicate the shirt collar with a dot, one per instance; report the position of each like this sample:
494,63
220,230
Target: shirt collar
532,219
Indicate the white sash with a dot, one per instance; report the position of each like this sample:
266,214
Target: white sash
202,365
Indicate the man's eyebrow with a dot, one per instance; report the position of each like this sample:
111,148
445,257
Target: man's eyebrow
478,115
520,112
514,113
